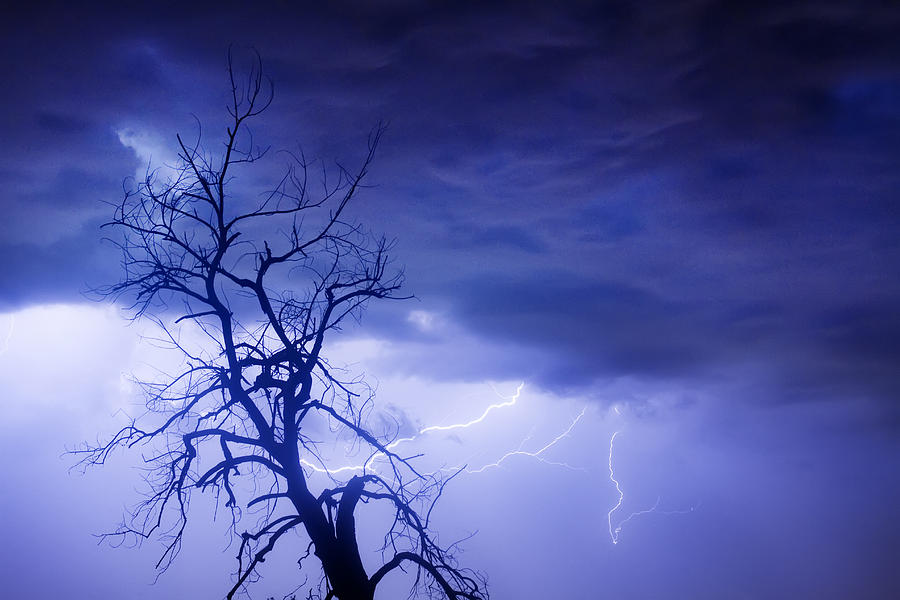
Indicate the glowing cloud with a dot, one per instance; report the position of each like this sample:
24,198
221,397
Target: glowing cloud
153,153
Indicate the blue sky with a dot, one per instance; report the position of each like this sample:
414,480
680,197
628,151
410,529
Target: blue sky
678,217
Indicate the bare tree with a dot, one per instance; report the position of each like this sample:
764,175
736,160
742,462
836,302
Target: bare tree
249,404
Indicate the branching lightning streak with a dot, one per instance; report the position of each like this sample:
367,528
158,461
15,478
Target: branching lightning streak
510,401
536,454
614,534
615,530
507,402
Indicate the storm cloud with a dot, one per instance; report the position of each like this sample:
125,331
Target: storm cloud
686,208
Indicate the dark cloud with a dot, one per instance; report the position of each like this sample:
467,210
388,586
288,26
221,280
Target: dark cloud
648,188
65,270
688,209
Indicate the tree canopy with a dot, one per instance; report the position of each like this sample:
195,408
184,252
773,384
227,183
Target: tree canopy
268,282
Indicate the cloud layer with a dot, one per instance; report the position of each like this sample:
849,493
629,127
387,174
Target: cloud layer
651,190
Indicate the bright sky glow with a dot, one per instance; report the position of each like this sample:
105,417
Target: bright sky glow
90,348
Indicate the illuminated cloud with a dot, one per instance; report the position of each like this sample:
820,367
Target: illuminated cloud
154,154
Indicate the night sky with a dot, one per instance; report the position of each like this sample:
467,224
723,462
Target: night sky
682,218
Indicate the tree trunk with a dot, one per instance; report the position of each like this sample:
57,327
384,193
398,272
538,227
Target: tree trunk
358,586
335,548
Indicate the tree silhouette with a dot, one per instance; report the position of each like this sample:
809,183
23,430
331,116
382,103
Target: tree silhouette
267,282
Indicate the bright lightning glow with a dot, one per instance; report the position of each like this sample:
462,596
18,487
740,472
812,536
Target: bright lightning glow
536,454
614,530
375,456
507,402
614,534
347,469
510,402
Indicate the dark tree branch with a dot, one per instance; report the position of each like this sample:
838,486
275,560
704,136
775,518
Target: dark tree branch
243,399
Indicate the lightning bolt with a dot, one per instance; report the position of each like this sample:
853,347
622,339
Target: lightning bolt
614,534
536,454
614,530
507,402
9,334
346,469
